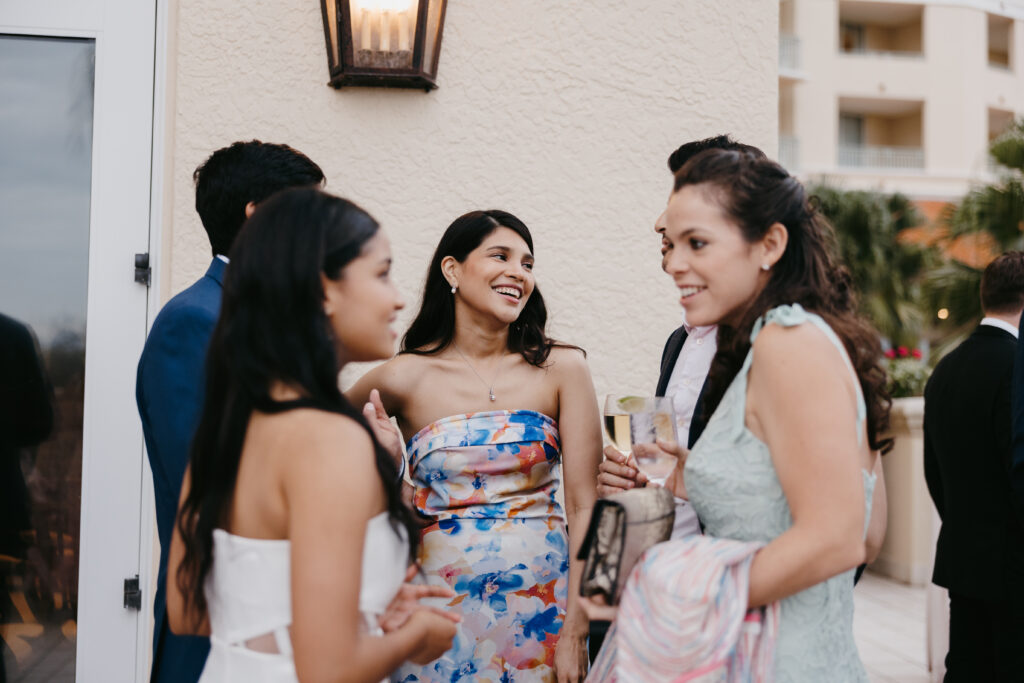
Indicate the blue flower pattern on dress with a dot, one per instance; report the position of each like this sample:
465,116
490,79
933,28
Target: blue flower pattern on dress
499,541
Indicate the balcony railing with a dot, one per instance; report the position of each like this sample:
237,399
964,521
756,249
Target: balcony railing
789,52
897,54
789,152
871,156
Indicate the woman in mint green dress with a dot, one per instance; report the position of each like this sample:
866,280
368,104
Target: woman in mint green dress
797,394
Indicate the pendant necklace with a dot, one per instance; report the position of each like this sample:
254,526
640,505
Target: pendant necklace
490,387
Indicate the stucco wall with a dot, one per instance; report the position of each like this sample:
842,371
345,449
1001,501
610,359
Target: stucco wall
562,113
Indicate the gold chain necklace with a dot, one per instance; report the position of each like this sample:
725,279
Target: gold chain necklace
490,386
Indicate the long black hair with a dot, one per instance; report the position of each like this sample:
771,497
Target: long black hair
756,193
272,328
433,328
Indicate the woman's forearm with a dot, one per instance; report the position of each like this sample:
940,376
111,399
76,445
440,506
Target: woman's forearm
576,622
801,558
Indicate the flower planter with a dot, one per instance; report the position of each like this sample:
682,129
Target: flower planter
908,551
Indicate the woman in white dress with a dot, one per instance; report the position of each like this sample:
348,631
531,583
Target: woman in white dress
291,539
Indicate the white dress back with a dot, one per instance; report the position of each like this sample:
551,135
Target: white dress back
248,594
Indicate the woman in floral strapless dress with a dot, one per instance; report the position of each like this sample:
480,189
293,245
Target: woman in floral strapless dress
495,411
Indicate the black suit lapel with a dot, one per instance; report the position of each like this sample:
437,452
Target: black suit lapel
668,358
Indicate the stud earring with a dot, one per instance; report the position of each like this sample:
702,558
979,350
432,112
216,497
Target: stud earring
765,266
454,287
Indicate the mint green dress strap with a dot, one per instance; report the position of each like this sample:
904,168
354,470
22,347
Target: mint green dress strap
791,315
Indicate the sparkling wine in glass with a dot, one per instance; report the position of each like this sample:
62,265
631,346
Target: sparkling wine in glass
631,420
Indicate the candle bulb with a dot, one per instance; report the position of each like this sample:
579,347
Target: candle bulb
403,31
364,41
385,31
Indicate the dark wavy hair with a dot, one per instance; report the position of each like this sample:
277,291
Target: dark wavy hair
246,172
757,193
272,328
433,328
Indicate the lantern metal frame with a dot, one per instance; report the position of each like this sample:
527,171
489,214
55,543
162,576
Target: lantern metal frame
345,72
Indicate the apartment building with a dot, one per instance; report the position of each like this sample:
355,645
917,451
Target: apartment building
898,96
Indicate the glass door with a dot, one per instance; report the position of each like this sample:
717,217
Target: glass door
76,122
45,182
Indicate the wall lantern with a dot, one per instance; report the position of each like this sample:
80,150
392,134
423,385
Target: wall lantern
383,43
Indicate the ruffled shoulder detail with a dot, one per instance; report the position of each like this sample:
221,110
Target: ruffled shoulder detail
787,315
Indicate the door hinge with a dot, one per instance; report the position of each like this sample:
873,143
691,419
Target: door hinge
132,593
143,273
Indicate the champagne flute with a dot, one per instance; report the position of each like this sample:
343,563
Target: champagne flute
632,420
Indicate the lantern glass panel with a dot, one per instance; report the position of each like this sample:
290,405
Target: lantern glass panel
383,33
331,20
430,43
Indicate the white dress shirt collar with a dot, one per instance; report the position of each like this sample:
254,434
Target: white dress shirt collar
1001,324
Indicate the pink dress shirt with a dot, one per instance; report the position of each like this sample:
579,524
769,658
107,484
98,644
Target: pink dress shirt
688,375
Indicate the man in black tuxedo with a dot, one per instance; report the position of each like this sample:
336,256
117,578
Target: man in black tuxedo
967,433
1017,462
683,381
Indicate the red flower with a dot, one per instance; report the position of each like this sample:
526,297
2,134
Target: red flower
902,351
889,353
916,353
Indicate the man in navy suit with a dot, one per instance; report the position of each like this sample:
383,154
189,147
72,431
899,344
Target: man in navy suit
979,556
170,383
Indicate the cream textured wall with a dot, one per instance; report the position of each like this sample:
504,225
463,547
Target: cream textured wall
562,113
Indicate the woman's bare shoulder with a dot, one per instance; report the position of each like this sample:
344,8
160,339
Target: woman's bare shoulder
567,359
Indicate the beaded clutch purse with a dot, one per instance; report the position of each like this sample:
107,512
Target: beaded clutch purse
622,527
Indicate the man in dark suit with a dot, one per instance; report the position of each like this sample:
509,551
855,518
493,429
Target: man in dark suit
683,374
967,434
1017,463
170,382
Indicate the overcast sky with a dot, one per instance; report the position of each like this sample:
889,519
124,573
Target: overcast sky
46,105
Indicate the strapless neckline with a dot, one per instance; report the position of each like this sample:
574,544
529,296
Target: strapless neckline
235,538
480,414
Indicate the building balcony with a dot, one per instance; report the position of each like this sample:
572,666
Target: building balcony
881,28
877,156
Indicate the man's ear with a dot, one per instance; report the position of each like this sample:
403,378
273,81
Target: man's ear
249,209
774,243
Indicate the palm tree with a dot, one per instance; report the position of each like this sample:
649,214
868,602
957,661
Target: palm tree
988,221
888,272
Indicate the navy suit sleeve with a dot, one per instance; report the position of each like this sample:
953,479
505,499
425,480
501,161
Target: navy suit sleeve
1017,445
170,394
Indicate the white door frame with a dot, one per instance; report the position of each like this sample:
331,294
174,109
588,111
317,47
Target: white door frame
113,642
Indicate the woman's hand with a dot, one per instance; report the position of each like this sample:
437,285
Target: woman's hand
436,635
407,602
674,482
571,658
617,473
380,422
598,609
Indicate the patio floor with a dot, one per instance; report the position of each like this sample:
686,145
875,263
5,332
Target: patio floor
889,625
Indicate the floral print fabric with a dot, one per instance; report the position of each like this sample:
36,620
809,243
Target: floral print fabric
499,541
